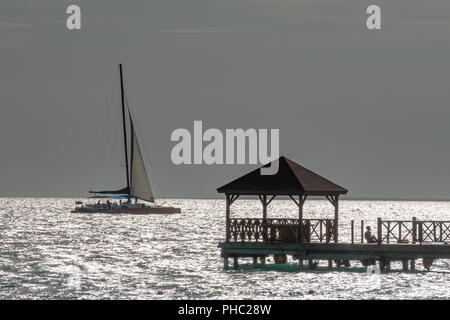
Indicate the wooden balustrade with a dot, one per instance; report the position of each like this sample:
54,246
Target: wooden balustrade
413,231
281,230
323,230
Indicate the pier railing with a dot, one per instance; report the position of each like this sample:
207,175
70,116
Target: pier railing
413,231
281,230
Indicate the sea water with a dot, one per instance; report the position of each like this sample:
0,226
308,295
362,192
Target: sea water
46,252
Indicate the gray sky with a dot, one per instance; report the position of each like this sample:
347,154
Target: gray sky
367,109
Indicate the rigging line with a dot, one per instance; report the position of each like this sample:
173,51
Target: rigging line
100,153
138,132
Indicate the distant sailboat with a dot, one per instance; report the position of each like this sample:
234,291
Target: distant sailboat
138,183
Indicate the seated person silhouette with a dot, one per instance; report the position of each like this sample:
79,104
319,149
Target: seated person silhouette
369,237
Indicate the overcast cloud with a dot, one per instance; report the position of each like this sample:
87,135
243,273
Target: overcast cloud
367,109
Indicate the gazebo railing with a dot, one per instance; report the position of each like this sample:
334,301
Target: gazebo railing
281,230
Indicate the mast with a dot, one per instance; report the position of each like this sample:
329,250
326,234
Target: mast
124,131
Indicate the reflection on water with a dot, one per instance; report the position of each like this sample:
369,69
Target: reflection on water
48,252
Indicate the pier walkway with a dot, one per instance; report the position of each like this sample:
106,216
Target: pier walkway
366,254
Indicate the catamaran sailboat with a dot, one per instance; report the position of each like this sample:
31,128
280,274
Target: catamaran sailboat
138,184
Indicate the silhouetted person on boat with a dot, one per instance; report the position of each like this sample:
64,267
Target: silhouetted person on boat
369,237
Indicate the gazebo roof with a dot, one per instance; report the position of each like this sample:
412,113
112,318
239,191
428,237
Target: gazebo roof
291,179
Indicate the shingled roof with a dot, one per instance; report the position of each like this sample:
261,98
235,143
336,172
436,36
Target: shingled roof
291,179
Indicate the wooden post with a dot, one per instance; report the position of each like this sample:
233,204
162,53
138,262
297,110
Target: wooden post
334,200
413,264
336,218
301,201
235,262
420,232
300,220
225,263
388,231
414,230
263,260
382,264
321,231
330,263
328,230
362,231
264,203
388,265
405,264
379,230
434,231
300,207
307,231
353,231
227,219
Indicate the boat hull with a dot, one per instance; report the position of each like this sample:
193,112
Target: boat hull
125,210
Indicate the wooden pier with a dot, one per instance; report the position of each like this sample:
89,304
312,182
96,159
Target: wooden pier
309,240
338,253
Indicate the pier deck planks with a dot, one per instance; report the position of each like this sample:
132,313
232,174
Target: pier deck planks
337,250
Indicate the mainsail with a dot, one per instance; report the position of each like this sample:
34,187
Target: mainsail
139,183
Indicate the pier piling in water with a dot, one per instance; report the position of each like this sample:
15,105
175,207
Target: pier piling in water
235,262
405,264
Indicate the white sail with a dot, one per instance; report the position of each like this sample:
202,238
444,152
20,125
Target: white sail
139,184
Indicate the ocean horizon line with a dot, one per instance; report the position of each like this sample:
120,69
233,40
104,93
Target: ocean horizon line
246,197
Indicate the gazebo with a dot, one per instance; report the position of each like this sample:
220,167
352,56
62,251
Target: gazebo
291,180
316,239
